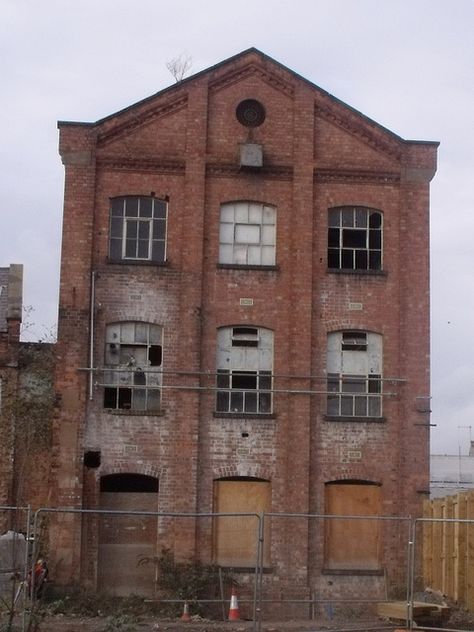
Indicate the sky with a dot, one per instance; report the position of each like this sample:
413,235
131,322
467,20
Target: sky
407,64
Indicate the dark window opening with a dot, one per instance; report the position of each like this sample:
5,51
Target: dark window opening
354,239
129,483
92,459
354,341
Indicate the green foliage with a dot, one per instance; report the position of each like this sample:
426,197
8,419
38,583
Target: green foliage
120,623
189,581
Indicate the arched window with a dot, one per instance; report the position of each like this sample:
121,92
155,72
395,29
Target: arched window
247,234
244,370
354,371
133,360
354,238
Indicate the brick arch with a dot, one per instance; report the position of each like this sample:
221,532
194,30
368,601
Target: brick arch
134,468
362,474
344,324
251,471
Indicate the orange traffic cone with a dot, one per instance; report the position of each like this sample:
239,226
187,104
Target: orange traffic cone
234,612
186,616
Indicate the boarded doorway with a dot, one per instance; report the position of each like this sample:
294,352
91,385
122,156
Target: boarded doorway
235,538
352,544
124,539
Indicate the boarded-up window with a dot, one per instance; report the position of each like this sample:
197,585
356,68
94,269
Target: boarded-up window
124,539
236,537
352,544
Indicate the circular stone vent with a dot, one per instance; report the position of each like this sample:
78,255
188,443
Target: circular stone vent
250,113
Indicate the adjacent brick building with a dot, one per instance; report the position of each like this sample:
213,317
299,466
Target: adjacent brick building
243,326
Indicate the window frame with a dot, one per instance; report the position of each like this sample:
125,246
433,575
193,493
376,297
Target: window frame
353,244
127,384
244,374
355,389
235,249
138,214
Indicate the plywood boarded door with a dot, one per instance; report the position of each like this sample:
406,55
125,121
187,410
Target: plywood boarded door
124,539
352,544
235,538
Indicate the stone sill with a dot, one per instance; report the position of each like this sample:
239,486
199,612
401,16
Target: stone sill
135,413
239,266
220,415
139,262
352,571
370,420
382,273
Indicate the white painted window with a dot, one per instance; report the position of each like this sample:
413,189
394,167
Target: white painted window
247,234
354,238
138,229
354,374
244,370
133,360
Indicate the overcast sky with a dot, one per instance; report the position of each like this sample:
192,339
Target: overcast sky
407,64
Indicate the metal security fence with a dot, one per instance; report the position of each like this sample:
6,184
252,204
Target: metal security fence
364,571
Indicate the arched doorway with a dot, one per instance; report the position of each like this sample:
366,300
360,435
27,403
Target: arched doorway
124,539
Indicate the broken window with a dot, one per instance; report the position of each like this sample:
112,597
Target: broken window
352,544
354,238
247,234
138,229
133,360
354,374
244,370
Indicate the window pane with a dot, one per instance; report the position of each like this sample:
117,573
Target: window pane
354,238
131,229
361,259
115,248
247,234
117,207
375,260
236,402
375,239
347,259
159,229
124,398
268,255
375,220
361,406
222,402
254,255
155,334
145,207
130,248
158,250
347,217
333,237
226,233
159,209
111,354
268,235
143,249
155,355
255,214
139,377
141,332
131,207
375,407
333,405
244,380
225,254
227,213
334,217
110,398
127,332
265,402
250,402
139,399
143,230
222,379
361,217
347,406
242,212
240,255
333,259
153,399
116,227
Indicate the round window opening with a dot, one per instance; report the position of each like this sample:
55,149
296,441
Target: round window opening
250,113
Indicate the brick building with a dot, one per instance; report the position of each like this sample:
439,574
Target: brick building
243,326
11,303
